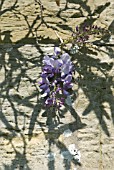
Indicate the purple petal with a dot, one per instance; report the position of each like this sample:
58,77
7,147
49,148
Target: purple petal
67,86
58,63
62,99
44,87
57,51
46,92
68,78
43,75
45,81
65,58
49,101
48,61
65,69
77,28
66,93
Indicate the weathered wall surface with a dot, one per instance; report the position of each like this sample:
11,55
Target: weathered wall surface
27,139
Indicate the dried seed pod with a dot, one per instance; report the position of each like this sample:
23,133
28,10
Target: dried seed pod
57,2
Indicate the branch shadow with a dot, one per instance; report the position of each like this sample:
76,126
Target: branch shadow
10,9
19,160
96,88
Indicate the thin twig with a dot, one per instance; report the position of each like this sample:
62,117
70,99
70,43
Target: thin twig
61,40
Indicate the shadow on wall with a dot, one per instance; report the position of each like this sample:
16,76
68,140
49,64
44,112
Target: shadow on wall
7,9
17,67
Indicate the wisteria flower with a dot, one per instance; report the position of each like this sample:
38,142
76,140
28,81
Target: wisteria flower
82,34
56,75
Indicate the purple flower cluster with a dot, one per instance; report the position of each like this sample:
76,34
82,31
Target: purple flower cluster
56,77
83,33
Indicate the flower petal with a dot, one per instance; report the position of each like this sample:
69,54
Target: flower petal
65,58
57,51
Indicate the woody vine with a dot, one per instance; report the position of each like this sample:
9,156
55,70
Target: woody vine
57,71
57,75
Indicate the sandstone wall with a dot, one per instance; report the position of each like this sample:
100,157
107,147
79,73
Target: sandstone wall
28,140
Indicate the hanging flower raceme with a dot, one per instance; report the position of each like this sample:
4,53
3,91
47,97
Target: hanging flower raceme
56,75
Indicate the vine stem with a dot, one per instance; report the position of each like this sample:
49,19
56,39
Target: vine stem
61,40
